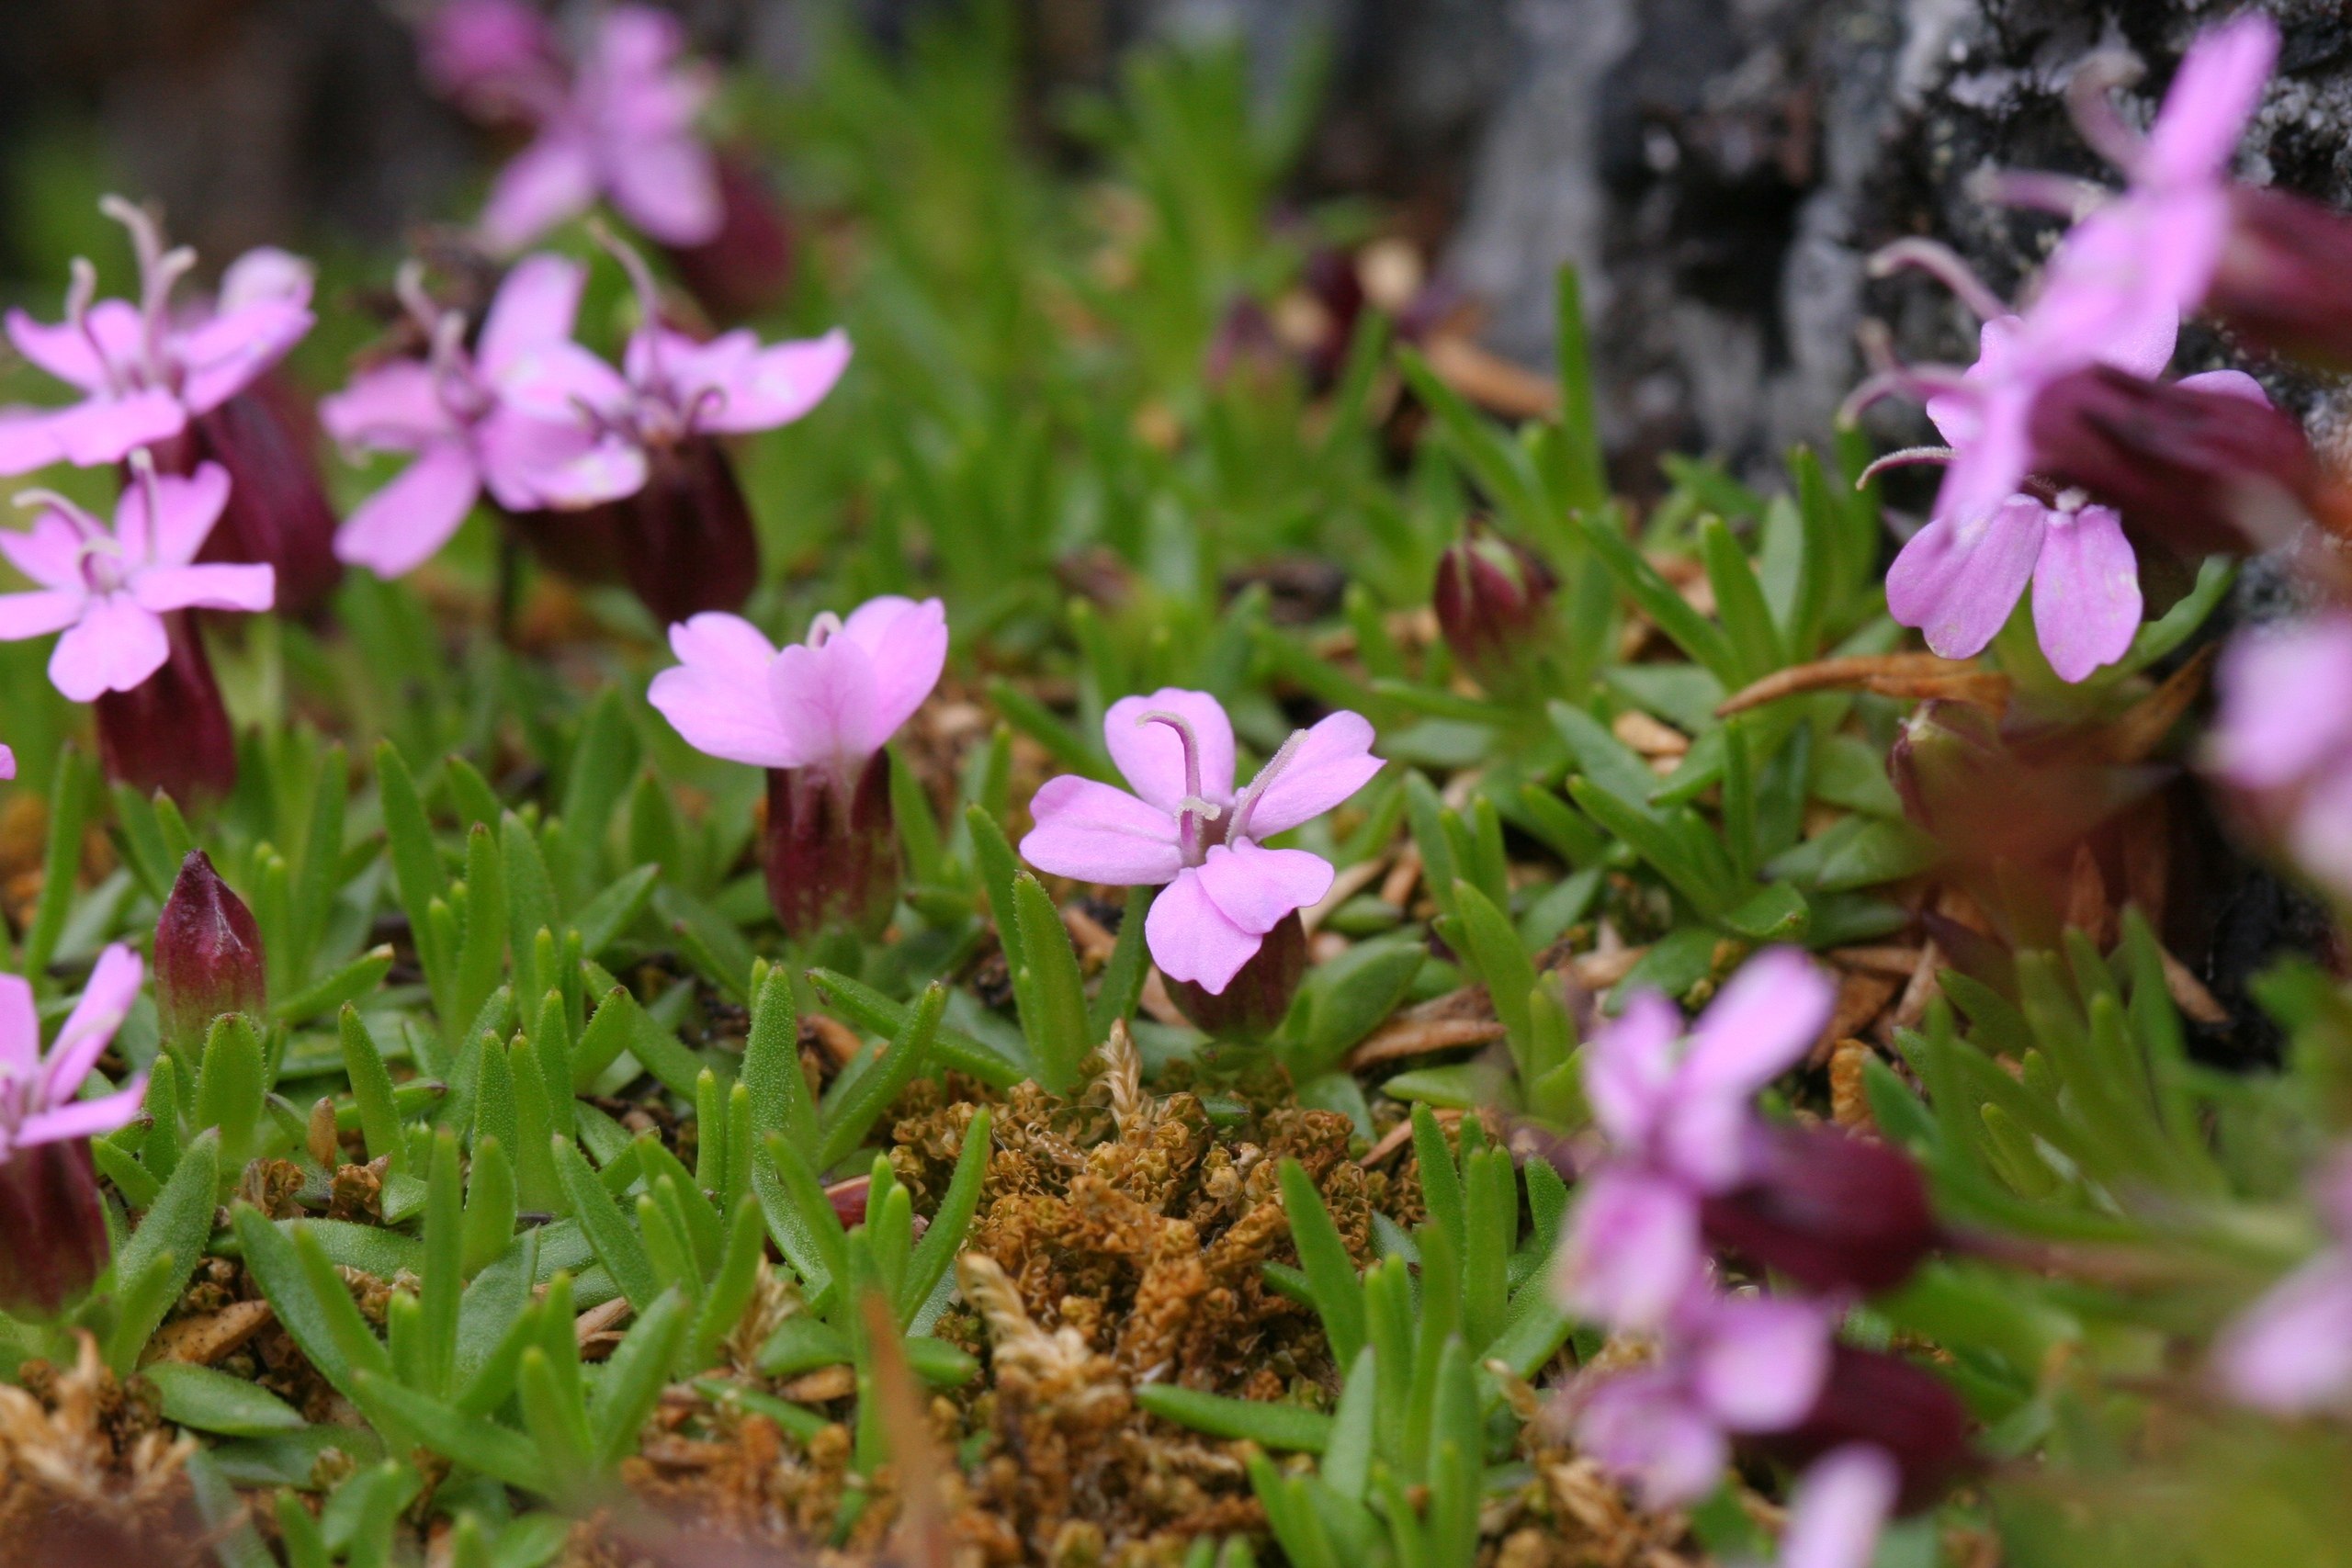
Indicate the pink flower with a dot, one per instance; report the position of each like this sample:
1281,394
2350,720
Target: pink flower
627,130
108,591
1184,827
37,1095
2284,739
1675,1107
453,412
1723,1365
496,58
144,372
8,763
831,701
2290,1353
1840,1505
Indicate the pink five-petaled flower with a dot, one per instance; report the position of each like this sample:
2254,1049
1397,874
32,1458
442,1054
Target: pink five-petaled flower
626,130
1185,826
2290,1353
52,1222
143,371
1725,1365
2284,740
108,590
451,409
1674,1105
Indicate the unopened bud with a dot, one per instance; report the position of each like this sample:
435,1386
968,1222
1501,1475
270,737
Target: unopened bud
2279,281
277,514
1893,1405
832,849
1493,597
52,1228
1945,756
209,957
1256,1000
171,732
1832,1211
685,542
744,268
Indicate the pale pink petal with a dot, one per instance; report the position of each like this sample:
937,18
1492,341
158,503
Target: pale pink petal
1632,1251
532,463
1760,1025
906,641
217,587
2085,592
826,701
1092,832
1840,1505
667,186
1637,1426
1762,1363
552,179
536,305
392,407
27,442
1257,887
724,646
1333,760
718,696
50,552
1151,756
113,647
8,763
2212,96
1956,581
107,430
775,386
19,1025
2285,702
2319,837
1629,1065
399,528
105,1003
223,356
2228,384
185,511
554,379
63,350
1190,938
1958,416
266,274
86,1118
38,613
2113,292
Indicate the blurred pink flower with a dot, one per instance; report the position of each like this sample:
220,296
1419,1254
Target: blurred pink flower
1839,1505
1675,1106
37,1094
497,59
626,129
108,590
453,412
1723,1365
2290,1353
2283,739
8,763
143,370
1185,826
831,701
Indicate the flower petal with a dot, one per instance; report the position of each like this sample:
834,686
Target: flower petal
38,613
105,1003
1638,1426
2085,592
2285,702
217,587
667,186
27,442
1092,832
2212,96
1760,1025
1762,1363
50,552
114,647
393,406
1957,582
1151,757
107,430
184,512
718,695
535,306
1629,1066
1333,760
552,179
907,644
223,356
1839,1505
827,701
1190,938
398,529
85,1118
1632,1248
61,348
20,1026
266,274
775,386
1257,887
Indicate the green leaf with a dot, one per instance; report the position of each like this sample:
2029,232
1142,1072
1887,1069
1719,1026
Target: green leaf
1053,1001
1121,987
169,1243
1494,948
857,1109
213,1401
869,1009
497,1452
1695,635
1739,602
1330,1272
371,1088
936,1254
635,1376
1287,1427
229,1087
607,1228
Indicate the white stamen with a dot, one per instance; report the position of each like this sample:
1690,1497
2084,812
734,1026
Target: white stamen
2094,112
824,628
1265,781
1941,263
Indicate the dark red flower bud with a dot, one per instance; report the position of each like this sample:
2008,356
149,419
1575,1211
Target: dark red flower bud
1493,597
1891,1404
208,958
52,1231
2280,281
277,513
685,541
171,732
832,849
1828,1210
2202,469
1256,1000
746,267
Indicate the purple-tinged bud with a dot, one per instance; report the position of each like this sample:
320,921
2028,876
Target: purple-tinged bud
171,732
832,849
746,267
1945,756
2279,281
1892,1404
1493,597
277,513
208,958
2203,469
1830,1210
52,1229
1256,1000
686,542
